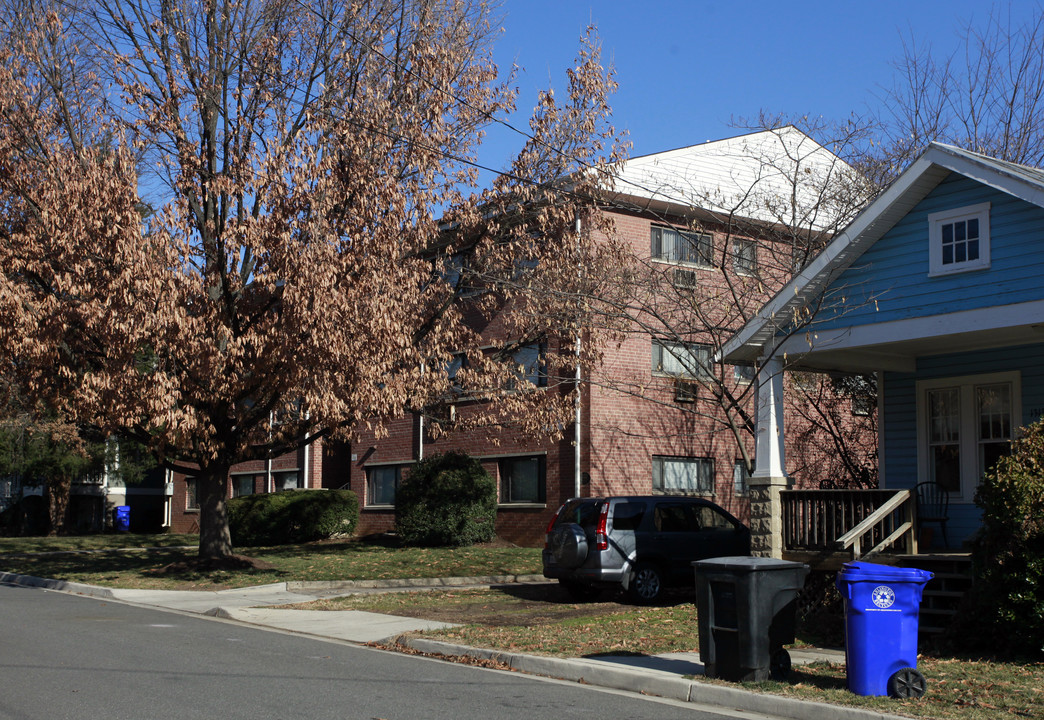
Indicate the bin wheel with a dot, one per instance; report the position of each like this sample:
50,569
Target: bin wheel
646,584
907,683
779,667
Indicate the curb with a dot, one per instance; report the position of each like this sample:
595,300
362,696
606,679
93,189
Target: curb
595,673
58,585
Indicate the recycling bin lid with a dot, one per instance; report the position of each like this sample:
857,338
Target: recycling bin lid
860,570
744,563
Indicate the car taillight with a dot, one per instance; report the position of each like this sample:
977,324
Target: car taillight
601,532
547,532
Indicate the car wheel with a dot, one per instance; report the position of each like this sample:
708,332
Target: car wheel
646,584
568,545
579,591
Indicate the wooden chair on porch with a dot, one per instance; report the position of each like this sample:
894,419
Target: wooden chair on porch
933,506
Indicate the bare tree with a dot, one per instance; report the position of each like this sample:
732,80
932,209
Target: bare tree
232,228
986,96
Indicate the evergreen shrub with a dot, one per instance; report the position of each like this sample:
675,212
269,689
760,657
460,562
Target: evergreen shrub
1005,611
292,516
446,500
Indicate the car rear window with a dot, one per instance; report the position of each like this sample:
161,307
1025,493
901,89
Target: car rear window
628,515
583,512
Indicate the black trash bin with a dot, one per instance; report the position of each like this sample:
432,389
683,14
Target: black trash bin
745,611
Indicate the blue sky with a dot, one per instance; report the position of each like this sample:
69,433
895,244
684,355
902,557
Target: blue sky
686,67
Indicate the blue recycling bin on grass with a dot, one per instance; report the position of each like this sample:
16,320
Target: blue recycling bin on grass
122,518
882,605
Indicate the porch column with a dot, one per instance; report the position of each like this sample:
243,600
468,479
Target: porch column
766,510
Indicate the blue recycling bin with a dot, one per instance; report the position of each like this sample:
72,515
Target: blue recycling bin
122,518
882,604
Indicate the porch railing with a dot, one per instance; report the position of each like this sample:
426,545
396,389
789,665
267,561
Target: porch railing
859,523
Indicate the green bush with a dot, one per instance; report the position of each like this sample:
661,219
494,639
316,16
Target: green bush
1005,612
446,500
292,516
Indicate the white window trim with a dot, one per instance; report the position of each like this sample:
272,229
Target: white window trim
969,444
935,222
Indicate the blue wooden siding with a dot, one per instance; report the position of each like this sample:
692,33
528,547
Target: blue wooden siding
890,280
899,443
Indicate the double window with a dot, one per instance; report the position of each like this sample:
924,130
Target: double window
682,360
965,425
680,246
959,240
522,479
683,474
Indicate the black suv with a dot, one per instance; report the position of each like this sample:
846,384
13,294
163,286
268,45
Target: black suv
641,543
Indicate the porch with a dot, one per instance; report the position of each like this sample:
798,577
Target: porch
827,528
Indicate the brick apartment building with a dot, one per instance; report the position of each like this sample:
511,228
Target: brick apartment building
703,224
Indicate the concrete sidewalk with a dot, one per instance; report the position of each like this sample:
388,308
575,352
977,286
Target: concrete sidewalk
662,675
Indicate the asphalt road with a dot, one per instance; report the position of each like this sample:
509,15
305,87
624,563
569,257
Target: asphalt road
68,657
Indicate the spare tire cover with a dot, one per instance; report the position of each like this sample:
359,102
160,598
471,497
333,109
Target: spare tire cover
569,545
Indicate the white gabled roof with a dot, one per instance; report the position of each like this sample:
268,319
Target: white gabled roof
772,176
938,161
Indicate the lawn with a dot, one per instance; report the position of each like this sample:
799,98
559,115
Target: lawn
125,565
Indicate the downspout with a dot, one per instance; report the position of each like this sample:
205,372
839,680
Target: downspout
268,462
577,403
420,428
306,481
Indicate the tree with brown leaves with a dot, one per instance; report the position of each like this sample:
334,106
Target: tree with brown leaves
229,228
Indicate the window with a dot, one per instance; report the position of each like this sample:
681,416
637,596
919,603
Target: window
381,484
959,240
744,374
529,365
521,479
740,477
286,480
684,360
191,497
457,363
242,485
680,246
744,256
964,426
679,474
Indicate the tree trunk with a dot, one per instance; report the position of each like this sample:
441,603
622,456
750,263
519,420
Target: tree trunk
212,488
57,490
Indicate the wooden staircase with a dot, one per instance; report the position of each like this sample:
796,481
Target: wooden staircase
943,593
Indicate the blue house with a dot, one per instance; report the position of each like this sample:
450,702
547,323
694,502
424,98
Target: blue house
938,289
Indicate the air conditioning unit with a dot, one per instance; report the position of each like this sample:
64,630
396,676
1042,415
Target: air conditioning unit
684,278
685,391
